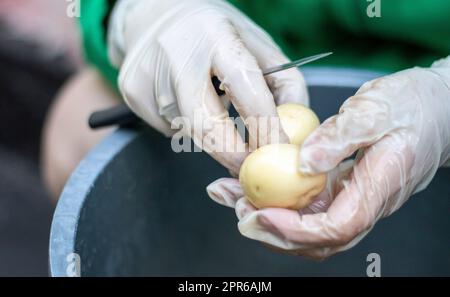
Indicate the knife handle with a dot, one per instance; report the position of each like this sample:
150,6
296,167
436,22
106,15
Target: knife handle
123,116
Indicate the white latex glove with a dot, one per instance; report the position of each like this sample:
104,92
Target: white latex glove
168,51
401,125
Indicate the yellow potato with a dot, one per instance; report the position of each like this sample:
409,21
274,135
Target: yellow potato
298,121
270,177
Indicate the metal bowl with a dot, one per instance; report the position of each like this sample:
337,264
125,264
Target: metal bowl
133,207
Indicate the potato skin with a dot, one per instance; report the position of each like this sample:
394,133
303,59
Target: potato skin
270,178
298,121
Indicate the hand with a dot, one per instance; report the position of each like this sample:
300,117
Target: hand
169,50
401,126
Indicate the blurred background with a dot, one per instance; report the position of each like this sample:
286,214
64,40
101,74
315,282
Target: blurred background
39,50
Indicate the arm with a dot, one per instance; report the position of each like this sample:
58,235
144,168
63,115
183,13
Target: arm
93,20
420,24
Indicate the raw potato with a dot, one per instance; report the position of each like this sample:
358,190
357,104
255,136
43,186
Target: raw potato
270,177
298,121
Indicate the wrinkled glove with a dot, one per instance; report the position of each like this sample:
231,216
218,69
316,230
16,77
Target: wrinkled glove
168,51
401,126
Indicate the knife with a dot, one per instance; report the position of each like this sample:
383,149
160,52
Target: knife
122,115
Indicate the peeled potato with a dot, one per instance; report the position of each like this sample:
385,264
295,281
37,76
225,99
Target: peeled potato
298,121
270,177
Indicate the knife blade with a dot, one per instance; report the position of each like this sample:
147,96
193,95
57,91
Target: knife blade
122,115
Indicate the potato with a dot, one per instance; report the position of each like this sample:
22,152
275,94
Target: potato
298,121
270,177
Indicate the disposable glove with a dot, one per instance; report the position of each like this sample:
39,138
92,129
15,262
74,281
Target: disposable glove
168,51
401,126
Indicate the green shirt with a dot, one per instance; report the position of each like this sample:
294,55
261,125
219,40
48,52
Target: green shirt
408,33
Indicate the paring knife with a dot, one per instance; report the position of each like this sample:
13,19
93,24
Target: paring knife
122,115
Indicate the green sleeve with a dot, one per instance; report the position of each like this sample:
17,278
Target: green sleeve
408,33
92,20
422,23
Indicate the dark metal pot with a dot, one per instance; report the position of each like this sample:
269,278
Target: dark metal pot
135,208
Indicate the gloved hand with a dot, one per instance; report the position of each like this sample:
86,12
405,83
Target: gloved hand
401,126
168,51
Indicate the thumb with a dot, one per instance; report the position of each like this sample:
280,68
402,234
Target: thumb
362,120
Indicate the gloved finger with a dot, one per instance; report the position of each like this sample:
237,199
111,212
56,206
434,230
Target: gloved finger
319,204
380,174
363,120
243,207
335,181
286,86
209,125
322,253
225,191
315,253
306,253
135,89
244,83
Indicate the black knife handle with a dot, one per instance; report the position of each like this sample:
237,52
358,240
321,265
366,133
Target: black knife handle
118,115
123,116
